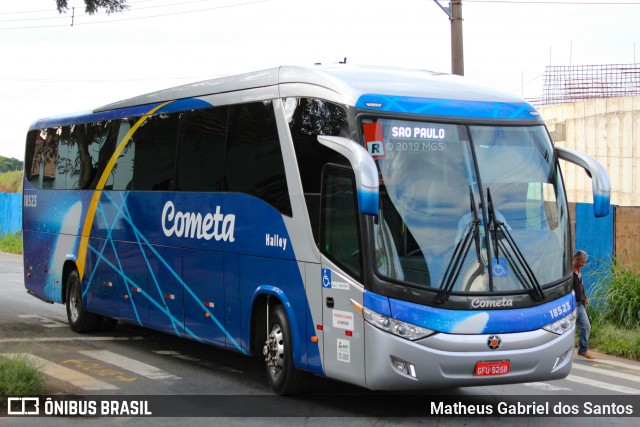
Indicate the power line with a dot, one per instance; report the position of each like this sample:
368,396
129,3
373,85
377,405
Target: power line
109,81
66,17
131,18
56,11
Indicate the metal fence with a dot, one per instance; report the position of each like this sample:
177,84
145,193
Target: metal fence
10,213
580,82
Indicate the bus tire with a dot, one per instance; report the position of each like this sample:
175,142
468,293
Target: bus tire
80,320
283,376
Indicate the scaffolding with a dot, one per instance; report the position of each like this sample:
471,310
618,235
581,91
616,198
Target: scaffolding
580,82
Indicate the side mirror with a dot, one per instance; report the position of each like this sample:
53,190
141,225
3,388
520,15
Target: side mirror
364,169
599,178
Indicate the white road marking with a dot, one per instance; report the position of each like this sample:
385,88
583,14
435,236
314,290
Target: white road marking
129,364
607,372
47,323
545,386
177,355
614,363
600,384
63,373
181,356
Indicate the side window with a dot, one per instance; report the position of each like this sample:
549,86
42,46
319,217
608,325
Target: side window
201,148
309,118
121,175
45,165
47,144
254,163
34,158
65,157
340,229
90,138
155,151
67,171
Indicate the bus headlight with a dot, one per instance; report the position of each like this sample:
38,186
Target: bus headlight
402,329
563,325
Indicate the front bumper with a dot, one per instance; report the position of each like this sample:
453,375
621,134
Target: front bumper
448,360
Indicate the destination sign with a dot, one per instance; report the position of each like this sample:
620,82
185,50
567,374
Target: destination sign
418,132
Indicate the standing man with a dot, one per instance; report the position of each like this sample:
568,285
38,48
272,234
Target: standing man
582,322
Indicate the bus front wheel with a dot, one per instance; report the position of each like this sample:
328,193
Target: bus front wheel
283,376
80,320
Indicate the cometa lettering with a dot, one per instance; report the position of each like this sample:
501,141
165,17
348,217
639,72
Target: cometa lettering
194,225
491,303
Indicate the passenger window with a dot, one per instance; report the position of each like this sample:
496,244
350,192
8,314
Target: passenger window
340,228
49,140
121,175
90,138
67,170
42,170
65,158
155,151
201,148
33,158
254,163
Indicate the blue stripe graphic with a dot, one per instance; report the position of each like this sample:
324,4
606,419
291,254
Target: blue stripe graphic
448,107
186,287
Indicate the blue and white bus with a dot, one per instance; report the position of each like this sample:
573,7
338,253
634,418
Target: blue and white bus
394,229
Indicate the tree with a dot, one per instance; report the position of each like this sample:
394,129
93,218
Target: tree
9,164
93,6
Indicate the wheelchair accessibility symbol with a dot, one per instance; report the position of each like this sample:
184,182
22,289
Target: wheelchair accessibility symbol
326,278
499,267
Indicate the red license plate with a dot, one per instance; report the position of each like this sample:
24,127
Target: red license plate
498,367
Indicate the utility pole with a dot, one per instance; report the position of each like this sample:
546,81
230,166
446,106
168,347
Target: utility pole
454,12
457,51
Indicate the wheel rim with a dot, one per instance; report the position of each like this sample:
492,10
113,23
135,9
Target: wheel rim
274,352
74,302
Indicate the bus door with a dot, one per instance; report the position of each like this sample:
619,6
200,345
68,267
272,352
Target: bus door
341,246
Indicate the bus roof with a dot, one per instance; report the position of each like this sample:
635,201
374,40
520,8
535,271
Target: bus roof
350,80
368,87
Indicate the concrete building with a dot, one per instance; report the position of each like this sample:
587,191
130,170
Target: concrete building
608,129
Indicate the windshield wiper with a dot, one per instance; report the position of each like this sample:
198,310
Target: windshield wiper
460,253
520,259
493,225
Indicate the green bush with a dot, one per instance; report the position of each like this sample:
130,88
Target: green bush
11,243
616,298
19,377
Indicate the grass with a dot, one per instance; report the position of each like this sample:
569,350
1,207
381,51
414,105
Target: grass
20,377
11,182
611,339
617,295
614,311
11,243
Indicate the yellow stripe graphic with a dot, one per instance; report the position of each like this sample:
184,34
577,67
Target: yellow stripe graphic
93,206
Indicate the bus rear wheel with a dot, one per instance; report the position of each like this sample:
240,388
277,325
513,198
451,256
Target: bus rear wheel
80,320
283,376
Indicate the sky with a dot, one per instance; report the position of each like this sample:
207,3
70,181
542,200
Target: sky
50,67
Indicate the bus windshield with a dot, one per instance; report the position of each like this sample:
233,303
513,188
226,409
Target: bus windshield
468,209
